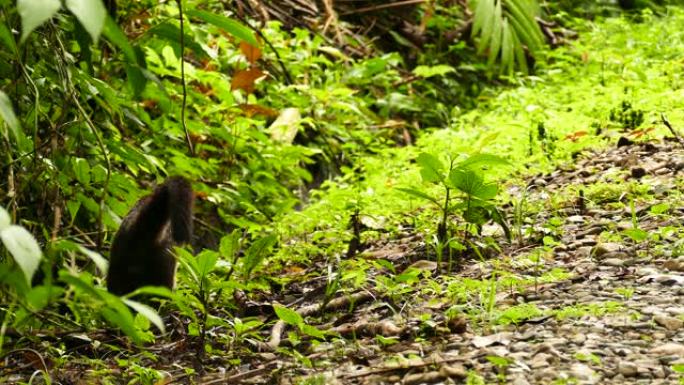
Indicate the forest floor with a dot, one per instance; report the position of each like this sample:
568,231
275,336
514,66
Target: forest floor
590,289
604,304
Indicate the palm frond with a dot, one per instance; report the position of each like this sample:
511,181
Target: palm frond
506,29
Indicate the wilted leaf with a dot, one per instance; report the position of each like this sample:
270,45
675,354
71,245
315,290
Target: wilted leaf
251,52
255,109
244,80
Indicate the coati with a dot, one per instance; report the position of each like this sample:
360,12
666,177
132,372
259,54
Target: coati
141,250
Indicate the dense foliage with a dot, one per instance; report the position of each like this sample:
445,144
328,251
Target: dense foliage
299,153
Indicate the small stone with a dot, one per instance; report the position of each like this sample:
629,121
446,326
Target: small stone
674,265
540,360
520,380
638,172
615,262
583,373
600,250
575,219
453,371
669,323
668,349
627,369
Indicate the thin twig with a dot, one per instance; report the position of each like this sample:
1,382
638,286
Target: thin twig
288,78
383,6
672,130
185,92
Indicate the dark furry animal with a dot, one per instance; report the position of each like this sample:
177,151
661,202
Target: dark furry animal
141,251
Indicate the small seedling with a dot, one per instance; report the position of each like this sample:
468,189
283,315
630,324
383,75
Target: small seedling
475,202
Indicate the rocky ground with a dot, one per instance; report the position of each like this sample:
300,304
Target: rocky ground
597,298
590,291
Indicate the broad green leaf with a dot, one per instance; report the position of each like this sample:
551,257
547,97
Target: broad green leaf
429,71
481,160
90,13
136,79
82,170
418,194
7,114
230,244
637,235
311,331
206,261
5,220
34,13
147,312
99,261
7,39
23,247
257,251
81,286
115,36
123,321
171,33
229,25
431,168
471,183
40,296
289,316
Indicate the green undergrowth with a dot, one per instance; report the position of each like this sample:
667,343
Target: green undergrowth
587,95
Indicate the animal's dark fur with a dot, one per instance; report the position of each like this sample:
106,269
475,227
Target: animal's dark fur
141,251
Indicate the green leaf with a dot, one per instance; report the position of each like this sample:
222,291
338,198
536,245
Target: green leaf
229,25
99,261
90,13
637,235
419,194
311,331
41,296
230,244
7,39
471,183
480,160
430,167
24,248
124,321
147,312
113,33
257,251
171,33
34,13
206,261
289,316
82,170
7,114
429,71
5,220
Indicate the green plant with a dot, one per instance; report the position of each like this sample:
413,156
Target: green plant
508,31
476,203
626,292
501,363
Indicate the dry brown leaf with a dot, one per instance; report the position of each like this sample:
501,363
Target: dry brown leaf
245,79
252,53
